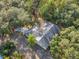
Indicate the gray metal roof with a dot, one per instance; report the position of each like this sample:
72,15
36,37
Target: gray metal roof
43,38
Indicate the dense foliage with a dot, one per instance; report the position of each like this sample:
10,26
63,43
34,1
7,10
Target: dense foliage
13,13
63,12
66,16
66,46
16,13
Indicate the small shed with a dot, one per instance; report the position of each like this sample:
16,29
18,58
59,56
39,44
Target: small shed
43,38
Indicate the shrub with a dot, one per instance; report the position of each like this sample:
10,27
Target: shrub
32,40
17,55
6,49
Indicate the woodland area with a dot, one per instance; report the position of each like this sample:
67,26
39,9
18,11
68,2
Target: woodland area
27,13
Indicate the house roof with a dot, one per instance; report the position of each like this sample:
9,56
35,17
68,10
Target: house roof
43,38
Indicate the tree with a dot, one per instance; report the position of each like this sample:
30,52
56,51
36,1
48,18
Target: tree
66,45
61,12
13,14
13,11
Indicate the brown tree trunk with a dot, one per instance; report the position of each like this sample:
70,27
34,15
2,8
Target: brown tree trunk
36,16
41,23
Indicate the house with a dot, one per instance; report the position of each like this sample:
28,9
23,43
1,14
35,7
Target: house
43,38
